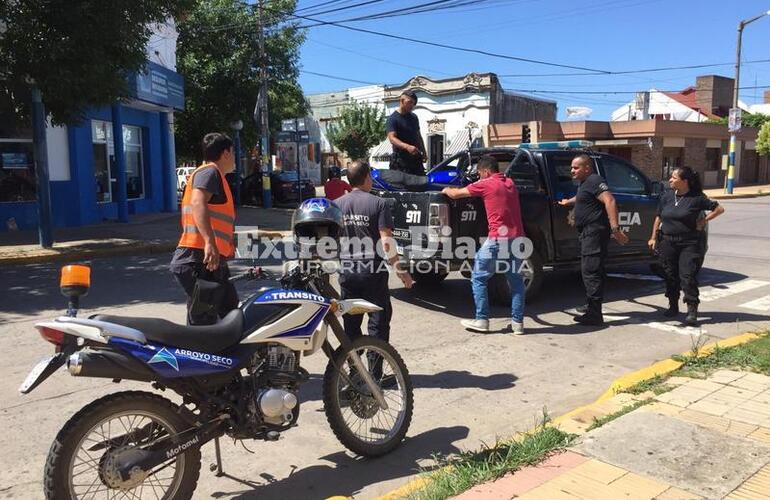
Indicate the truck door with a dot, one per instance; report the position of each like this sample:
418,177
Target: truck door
533,199
636,205
557,163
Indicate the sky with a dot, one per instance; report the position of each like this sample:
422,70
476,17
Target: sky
603,35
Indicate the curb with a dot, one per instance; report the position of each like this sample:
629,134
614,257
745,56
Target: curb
624,382
738,196
78,254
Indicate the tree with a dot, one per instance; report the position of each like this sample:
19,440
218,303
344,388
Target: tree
218,54
77,52
763,140
358,128
753,120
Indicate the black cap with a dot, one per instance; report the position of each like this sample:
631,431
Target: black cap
411,94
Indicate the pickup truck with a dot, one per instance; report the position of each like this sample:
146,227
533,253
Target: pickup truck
542,176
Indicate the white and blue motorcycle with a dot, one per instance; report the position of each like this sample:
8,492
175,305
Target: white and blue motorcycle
239,378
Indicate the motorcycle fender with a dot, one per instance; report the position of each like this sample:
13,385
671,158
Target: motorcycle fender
357,306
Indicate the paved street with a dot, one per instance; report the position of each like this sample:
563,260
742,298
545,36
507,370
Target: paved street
468,388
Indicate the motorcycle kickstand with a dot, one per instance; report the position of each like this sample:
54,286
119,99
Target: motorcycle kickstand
217,466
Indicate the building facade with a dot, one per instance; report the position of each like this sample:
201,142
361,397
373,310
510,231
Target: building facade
93,176
654,146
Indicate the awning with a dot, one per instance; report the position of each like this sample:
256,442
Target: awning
382,151
459,142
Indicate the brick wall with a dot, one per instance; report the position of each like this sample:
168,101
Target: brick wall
648,160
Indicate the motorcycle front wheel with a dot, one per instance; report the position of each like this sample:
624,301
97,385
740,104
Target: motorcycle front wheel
83,460
354,415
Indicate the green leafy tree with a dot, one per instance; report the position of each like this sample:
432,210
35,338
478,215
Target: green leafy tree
358,128
753,120
77,52
763,140
218,54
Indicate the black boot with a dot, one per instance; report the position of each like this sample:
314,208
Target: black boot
673,308
592,316
692,315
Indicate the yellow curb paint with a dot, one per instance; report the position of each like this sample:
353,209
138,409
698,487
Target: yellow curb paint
629,380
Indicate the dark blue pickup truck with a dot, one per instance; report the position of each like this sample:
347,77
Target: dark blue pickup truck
542,176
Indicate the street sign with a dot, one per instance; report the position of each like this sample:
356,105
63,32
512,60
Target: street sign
734,121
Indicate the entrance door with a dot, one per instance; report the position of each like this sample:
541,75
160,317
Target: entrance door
435,150
101,135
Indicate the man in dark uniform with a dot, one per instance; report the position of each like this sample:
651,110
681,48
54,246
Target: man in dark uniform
403,129
596,218
365,246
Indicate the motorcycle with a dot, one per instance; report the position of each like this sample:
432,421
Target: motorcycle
238,378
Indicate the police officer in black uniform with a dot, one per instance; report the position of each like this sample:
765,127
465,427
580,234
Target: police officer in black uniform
681,245
596,218
403,128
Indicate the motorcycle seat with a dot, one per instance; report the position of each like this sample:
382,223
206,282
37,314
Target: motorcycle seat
209,338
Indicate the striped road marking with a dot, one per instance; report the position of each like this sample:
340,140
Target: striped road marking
761,304
681,330
721,291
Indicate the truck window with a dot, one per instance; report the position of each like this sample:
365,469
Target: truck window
622,177
561,164
523,173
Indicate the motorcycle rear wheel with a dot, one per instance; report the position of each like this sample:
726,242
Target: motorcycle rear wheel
383,430
71,472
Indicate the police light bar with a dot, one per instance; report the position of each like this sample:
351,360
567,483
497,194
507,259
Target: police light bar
556,145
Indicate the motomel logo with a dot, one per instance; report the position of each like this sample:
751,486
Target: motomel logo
296,295
182,447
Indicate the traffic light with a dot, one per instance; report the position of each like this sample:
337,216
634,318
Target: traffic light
526,135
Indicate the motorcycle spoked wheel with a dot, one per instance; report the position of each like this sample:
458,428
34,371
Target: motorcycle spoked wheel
79,462
354,416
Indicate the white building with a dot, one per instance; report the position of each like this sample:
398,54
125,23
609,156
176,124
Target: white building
448,108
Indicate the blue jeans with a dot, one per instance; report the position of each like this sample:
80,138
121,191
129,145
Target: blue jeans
485,266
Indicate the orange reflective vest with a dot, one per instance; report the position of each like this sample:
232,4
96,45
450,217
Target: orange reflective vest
222,219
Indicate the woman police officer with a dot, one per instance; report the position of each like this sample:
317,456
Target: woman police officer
682,243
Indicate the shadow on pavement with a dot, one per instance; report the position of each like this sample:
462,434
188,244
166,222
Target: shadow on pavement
346,475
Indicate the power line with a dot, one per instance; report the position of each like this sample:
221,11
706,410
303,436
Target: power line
636,71
339,78
617,92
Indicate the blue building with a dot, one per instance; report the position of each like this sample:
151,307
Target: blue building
93,176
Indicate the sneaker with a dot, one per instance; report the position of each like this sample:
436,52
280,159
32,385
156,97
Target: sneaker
476,325
517,328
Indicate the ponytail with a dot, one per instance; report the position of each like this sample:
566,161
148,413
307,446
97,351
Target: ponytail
692,178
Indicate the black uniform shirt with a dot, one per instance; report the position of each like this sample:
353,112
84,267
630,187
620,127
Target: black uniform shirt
364,215
589,209
407,129
679,214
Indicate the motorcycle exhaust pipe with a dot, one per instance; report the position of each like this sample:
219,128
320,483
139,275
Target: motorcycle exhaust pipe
108,364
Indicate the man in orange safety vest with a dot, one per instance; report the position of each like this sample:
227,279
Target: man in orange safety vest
208,225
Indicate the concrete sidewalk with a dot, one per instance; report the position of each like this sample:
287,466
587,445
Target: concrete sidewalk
144,234
705,439
739,192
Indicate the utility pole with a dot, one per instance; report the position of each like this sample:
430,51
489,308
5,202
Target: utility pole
734,112
262,103
45,232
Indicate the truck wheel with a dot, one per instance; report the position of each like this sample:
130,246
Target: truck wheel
532,271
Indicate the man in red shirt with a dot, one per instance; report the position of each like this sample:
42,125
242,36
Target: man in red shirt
336,187
501,202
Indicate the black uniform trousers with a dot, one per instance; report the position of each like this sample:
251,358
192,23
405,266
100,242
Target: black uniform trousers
374,288
681,257
207,302
407,163
594,239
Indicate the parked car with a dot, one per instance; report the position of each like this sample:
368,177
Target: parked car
182,177
542,176
283,186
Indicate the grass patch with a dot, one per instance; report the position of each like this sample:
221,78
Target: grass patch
751,356
471,468
598,422
656,384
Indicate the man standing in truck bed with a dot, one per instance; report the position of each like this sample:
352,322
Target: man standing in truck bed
403,129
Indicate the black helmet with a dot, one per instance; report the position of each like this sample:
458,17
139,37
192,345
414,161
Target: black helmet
316,218
335,172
